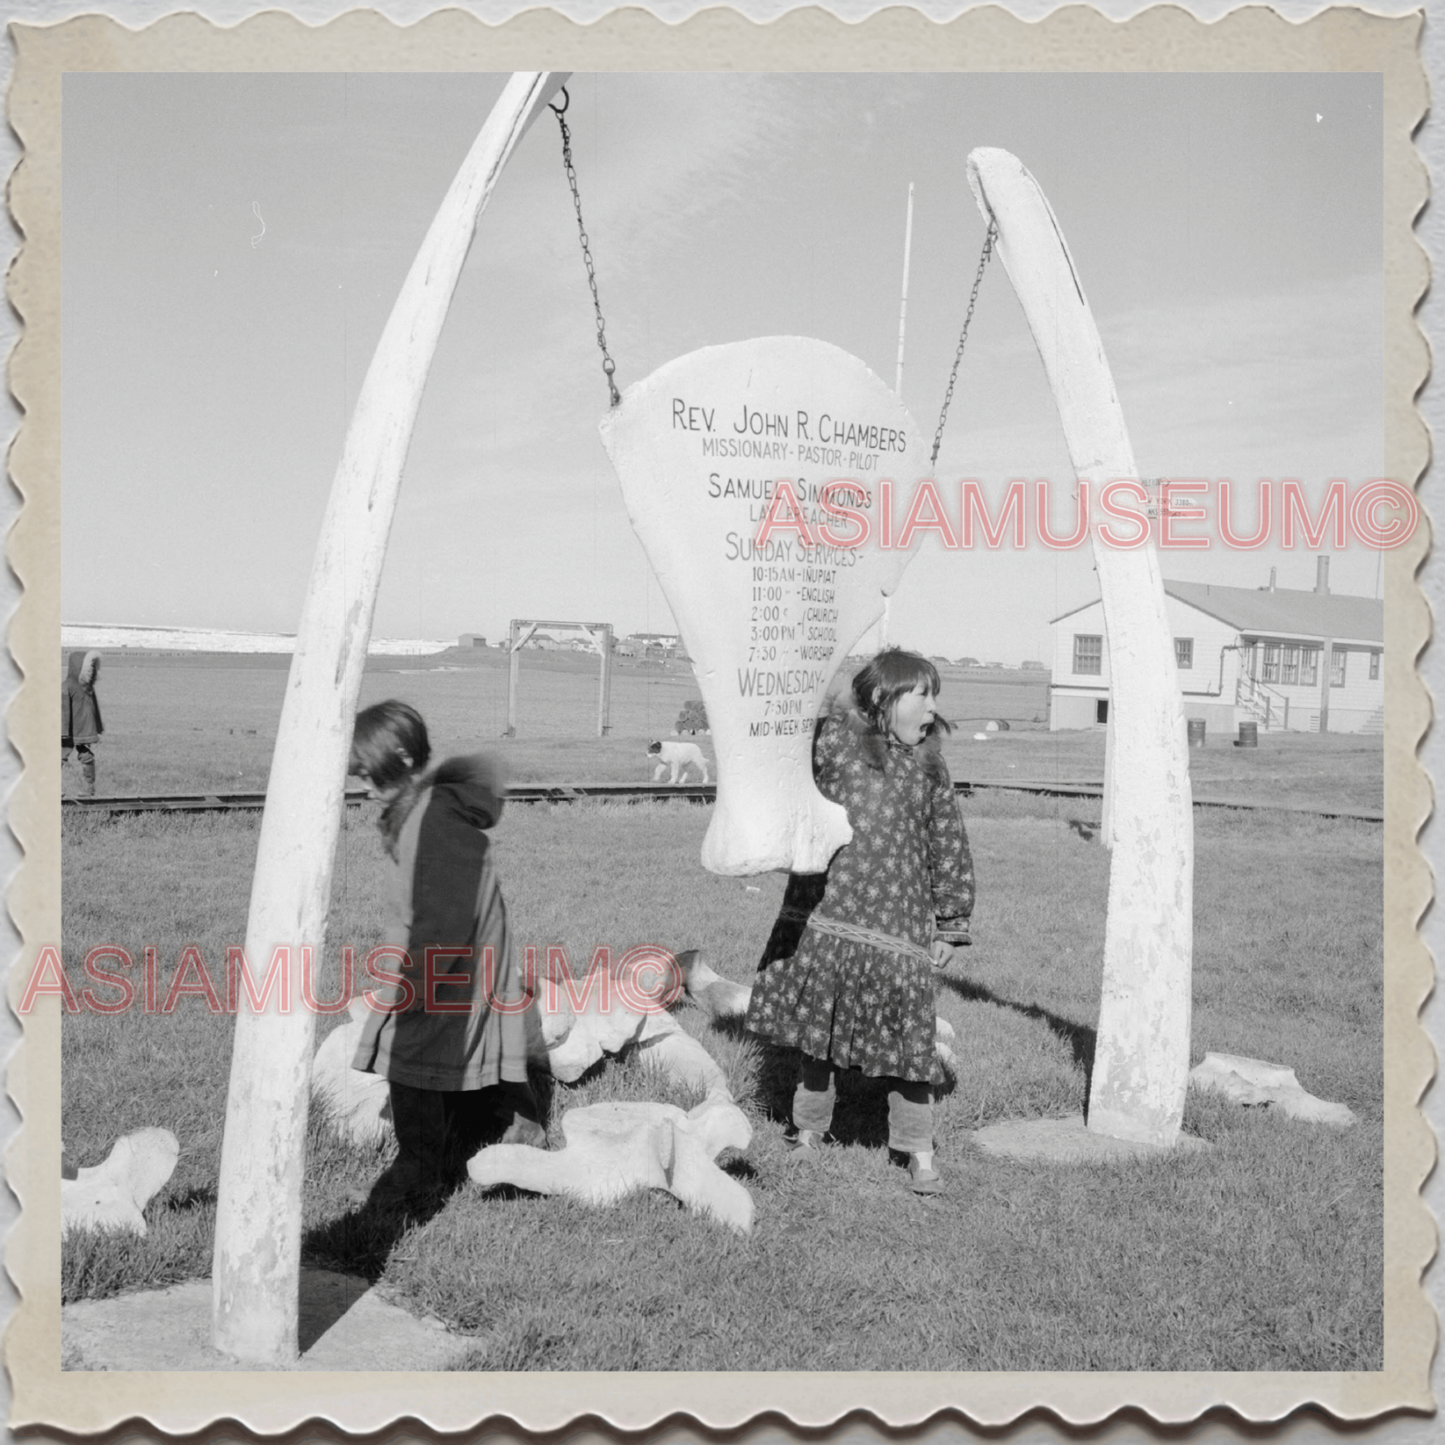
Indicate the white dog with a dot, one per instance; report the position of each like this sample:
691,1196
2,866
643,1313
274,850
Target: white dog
676,756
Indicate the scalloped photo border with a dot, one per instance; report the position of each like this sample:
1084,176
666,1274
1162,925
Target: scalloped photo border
1159,40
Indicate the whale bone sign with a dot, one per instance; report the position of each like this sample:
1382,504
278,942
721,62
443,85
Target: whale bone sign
700,448
1141,1059
257,1264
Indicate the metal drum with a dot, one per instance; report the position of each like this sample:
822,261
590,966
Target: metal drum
1248,735
1196,732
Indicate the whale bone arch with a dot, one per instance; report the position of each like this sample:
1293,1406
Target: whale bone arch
1141,1058
256,1269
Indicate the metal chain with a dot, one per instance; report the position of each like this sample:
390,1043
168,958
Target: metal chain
988,241
609,366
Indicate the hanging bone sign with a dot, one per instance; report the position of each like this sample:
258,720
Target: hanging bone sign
709,449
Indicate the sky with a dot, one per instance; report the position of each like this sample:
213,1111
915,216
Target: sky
233,245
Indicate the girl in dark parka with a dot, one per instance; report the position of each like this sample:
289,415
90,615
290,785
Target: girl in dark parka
459,1056
80,724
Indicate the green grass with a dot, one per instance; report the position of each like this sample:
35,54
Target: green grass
1265,1252
182,724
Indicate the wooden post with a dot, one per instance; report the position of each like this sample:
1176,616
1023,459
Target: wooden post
1141,1059
1327,666
604,685
257,1263
514,643
903,305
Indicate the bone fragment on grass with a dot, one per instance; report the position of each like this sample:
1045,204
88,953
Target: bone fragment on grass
1255,1083
614,1149
113,1195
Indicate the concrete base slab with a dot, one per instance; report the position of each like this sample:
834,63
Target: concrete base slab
344,1325
1068,1141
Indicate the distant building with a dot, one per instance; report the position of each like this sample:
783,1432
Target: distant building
1031,666
1244,655
471,639
969,662
659,646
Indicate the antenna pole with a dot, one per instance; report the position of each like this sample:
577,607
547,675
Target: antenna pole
903,308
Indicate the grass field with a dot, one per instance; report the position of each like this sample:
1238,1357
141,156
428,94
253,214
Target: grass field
1265,1252
183,724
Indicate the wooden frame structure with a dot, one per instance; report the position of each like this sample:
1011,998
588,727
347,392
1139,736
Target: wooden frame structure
600,636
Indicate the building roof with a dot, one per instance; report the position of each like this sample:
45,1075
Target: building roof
1286,612
1283,612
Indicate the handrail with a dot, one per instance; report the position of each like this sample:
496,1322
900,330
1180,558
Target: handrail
1250,692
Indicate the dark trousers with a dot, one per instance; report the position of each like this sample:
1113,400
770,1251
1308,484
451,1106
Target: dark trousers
438,1130
86,759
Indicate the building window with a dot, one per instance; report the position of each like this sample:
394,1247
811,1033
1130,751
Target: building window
1089,653
1374,667
1101,710
1271,662
1309,666
1337,667
1184,653
1289,669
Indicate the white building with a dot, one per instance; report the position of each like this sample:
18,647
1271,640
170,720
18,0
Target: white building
1244,655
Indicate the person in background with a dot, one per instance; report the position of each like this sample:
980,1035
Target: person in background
456,1063
847,975
80,724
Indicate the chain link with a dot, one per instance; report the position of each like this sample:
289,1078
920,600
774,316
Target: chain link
988,241
609,366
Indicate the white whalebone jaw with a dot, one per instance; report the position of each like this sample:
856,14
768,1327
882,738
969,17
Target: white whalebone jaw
682,1059
556,1016
698,447
1255,1082
113,1195
357,1104
709,990
1141,1063
593,1034
614,1149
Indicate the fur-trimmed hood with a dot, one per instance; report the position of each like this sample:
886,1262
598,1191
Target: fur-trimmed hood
843,712
477,782
83,667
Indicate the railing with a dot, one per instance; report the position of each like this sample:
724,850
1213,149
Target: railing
1262,702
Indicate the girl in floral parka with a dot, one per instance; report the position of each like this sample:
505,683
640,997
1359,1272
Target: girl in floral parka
847,975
